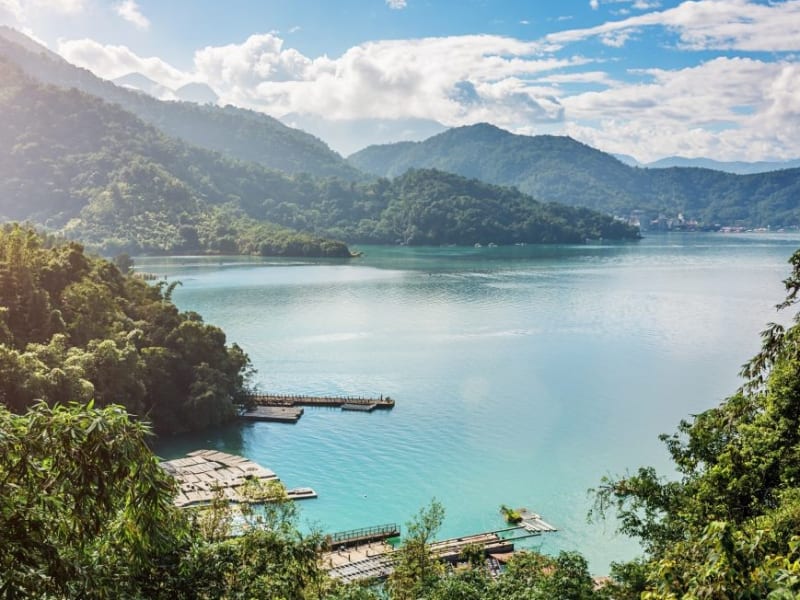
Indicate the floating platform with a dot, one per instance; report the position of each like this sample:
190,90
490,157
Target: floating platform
301,493
381,402
203,473
533,523
375,560
364,535
360,407
275,414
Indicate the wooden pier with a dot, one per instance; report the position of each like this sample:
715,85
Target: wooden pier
375,560
365,535
382,402
286,408
275,414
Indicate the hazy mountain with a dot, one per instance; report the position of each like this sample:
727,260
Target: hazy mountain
200,93
141,83
238,133
739,167
93,170
349,135
560,169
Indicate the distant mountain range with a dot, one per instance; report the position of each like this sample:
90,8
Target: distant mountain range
560,169
737,167
96,172
235,132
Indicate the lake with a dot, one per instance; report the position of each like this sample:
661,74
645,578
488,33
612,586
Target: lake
522,375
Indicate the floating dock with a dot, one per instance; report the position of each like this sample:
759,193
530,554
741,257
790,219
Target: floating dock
202,473
381,402
375,559
364,535
286,408
275,414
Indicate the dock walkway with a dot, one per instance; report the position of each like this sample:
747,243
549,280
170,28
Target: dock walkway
382,402
376,559
287,408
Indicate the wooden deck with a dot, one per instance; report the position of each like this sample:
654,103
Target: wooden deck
375,560
382,402
275,414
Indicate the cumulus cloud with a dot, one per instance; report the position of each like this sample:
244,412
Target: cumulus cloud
18,13
110,62
728,108
423,78
396,4
130,11
710,25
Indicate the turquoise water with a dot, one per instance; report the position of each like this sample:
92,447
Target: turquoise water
522,375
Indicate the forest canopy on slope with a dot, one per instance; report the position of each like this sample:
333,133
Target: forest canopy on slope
560,169
97,173
73,328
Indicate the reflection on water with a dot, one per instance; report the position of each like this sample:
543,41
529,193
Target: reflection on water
522,375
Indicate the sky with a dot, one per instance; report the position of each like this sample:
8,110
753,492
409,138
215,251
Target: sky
646,78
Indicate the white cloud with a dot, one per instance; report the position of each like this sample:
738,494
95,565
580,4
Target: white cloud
10,12
453,80
396,4
730,109
595,4
111,62
711,25
130,11
18,13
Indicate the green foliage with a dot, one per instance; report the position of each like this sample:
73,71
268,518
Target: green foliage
85,511
511,515
728,527
559,169
415,569
99,174
74,328
240,134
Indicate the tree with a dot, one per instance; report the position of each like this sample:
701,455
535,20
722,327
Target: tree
415,569
85,511
728,526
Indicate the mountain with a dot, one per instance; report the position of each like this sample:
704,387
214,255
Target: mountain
237,133
738,167
560,169
94,171
97,172
348,135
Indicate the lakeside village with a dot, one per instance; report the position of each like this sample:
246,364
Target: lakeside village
367,553
645,221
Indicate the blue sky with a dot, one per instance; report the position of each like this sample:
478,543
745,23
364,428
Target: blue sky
650,78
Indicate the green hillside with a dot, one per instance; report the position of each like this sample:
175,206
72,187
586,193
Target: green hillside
237,133
96,172
559,169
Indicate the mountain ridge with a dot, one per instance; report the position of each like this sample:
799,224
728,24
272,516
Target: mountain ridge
560,169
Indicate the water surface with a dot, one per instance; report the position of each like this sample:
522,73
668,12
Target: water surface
522,375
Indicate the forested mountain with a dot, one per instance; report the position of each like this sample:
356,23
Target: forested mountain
238,133
738,167
559,169
74,328
98,173
74,163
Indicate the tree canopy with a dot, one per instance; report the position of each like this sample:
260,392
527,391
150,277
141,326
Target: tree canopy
73,328
729,525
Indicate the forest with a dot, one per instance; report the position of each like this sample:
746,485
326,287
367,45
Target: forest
88,513
94,172
76,329
560,169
